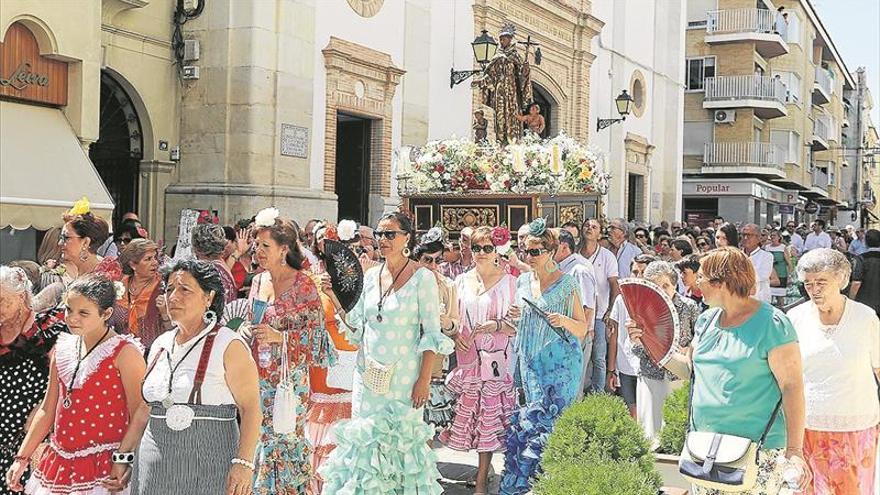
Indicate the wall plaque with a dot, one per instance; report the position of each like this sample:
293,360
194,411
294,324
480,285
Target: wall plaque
294,141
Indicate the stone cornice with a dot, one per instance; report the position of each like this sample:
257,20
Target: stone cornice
360,60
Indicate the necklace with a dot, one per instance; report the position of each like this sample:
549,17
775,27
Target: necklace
383,295
66,402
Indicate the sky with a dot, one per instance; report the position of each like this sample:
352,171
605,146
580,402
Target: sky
854,26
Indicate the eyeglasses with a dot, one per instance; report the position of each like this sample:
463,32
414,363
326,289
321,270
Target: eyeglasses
125,240
702,244
614,227
456,247
432,260
641,235
535,252
488,248
64,238
388,235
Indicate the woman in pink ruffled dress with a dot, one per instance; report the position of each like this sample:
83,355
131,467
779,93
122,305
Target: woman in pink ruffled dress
483,346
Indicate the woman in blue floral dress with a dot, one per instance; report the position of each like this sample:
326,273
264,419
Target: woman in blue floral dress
549,356
284,459
384,448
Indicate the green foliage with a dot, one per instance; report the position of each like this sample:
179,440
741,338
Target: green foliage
598,477
598,431
675,418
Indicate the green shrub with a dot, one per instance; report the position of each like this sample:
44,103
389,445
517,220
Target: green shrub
597,477
675,418
599,429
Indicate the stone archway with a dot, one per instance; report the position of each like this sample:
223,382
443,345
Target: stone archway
361,82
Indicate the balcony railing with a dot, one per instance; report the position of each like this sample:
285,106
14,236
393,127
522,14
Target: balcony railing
820,128
748,154
750,87
823,80
739,21
820,178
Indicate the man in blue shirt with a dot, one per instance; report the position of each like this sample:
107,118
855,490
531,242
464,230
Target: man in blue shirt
857,246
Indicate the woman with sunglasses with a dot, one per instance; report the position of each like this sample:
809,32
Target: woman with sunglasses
643,240
429,254
548,353
396,323
482,378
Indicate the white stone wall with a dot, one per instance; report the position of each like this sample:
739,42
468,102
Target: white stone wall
647,37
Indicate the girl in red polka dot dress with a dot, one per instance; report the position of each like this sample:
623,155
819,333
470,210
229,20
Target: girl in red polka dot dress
94,386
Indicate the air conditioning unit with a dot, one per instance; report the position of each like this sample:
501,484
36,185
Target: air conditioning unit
725,116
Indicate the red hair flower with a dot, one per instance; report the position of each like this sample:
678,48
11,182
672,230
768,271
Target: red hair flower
500,236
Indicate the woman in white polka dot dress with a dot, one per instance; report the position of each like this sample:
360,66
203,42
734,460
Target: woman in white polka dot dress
384,449
25,342
94,385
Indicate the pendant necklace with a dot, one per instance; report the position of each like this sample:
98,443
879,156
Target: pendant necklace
66,403
383,295
168,401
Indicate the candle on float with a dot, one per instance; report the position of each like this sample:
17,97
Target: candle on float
519,161
555,161
403,165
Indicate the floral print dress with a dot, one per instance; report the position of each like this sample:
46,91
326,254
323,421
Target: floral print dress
284,460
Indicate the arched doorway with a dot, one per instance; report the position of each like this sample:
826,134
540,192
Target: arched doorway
118,151
547,104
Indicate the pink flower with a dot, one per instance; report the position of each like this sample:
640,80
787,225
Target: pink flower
500,236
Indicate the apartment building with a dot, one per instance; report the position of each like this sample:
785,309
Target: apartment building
764,109
871,165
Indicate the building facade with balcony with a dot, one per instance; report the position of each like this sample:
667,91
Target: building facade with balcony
763,106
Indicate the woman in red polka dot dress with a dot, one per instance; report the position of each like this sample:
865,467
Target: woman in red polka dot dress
94,385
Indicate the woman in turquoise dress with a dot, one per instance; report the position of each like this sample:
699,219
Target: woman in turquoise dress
548,356
383,449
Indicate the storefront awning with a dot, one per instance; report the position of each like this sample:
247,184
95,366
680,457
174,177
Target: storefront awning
43,169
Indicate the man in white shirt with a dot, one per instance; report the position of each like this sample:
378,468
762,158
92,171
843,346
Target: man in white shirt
817,238
606,271
761,260
625,251
796,241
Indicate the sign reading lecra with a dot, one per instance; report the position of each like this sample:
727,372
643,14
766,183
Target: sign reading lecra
22,77
26,74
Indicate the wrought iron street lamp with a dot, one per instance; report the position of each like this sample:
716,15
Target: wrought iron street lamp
623,102
484,47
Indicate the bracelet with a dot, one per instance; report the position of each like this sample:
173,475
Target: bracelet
248,464
122,458
497,326
22,458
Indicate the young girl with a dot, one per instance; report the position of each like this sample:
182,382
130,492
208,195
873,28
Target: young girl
94,386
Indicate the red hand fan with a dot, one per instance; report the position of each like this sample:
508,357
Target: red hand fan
654,313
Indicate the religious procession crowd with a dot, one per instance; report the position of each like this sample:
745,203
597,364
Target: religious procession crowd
250,368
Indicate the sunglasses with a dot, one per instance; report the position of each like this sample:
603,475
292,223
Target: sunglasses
641,235
535,252
388,235
702,244
432,260
488,248
64,239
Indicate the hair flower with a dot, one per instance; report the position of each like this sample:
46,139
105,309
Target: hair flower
330,233
434,234
120,290
80,207
266,217
537,227
500,236
346,229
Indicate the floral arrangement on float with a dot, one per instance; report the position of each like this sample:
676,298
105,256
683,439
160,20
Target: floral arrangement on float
533,165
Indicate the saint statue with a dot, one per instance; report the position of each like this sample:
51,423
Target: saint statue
480,126
506,86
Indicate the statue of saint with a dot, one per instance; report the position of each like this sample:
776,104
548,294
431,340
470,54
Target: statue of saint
506,87
481,126
533,120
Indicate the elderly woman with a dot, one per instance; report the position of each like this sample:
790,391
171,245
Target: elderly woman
25,342
549,356
139,308
654,383
745,362
209,244
840,346
200,377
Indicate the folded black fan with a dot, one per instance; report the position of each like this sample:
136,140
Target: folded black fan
345,273
654,313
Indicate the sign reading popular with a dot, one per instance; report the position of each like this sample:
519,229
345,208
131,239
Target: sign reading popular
27,75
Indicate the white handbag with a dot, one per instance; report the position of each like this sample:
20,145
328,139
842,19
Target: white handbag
341,374
284,408
377,376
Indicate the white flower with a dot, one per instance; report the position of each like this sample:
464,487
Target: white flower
346,230
120,290
266,217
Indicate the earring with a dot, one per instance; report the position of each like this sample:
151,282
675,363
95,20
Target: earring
551,265
405,252
210,317
83,254
496,261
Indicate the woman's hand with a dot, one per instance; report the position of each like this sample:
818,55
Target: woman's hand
462,343
14,474
490,326
420,392
239,481
796,457
445,322
635,333
242,242
558,320
120,474
514,313
266,334
613,382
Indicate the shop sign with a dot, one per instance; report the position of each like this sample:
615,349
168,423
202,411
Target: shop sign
786,209
710,188
27,75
